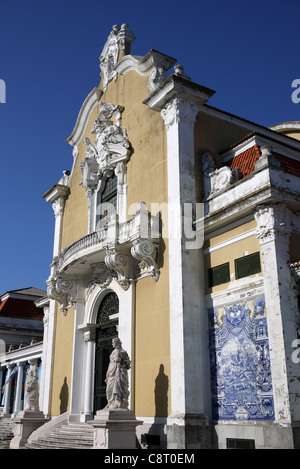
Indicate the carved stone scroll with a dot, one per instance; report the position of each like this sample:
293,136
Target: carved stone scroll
63,290
119,262
146,253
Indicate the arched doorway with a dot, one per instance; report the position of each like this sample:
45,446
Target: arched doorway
105,332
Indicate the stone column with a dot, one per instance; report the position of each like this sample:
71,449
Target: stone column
17,403
188,322
78,375
6,410
274,224
56,195
58,205
89,338
44,380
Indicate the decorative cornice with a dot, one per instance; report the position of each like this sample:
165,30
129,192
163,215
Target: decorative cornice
177,86
83,117
154,64
57,196
286,127
55,192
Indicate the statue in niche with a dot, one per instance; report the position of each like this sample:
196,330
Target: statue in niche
32,387
117,391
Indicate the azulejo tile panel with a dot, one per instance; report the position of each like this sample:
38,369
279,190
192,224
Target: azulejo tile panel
240,362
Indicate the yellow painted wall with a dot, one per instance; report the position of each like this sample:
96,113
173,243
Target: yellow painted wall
62,362
229,253
75,223
147,182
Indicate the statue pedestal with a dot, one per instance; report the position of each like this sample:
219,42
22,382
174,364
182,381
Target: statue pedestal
115,429
26,422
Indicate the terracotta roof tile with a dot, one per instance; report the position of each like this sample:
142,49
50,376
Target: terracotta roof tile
246,160
19,308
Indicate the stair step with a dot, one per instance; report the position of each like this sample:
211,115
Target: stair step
6,432
69,436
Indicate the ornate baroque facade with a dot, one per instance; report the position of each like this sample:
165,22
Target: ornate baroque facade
176,229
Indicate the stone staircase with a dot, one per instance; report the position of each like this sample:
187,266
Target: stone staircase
65,436
6,432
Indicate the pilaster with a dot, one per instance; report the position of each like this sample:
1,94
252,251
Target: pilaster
57,196
76,395
187,336
89,336
274,225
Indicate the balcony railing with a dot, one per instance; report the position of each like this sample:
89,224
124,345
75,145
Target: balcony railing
93,239
142,225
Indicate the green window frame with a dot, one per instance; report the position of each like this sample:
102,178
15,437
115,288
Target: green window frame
247,265
218,275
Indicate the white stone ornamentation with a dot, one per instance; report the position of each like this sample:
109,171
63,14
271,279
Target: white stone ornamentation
110,52
119,262
111,146
101,277
273,221
222,178
146,253
108,154
61,289
178,110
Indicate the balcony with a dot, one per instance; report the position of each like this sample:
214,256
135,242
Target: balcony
121,251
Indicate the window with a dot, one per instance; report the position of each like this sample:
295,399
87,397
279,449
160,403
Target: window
239,443
107,202
218,275
247,265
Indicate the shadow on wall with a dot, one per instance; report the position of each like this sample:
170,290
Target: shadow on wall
161,393
64,397
156,438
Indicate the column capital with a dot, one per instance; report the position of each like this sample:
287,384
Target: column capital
179,110
58,192
58,206
273,222
21,363
89,335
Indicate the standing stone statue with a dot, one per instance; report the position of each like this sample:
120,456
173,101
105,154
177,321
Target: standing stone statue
117,391
32,387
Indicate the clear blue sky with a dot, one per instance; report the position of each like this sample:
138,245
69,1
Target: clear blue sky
248,52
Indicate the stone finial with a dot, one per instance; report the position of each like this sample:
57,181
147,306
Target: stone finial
179,71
